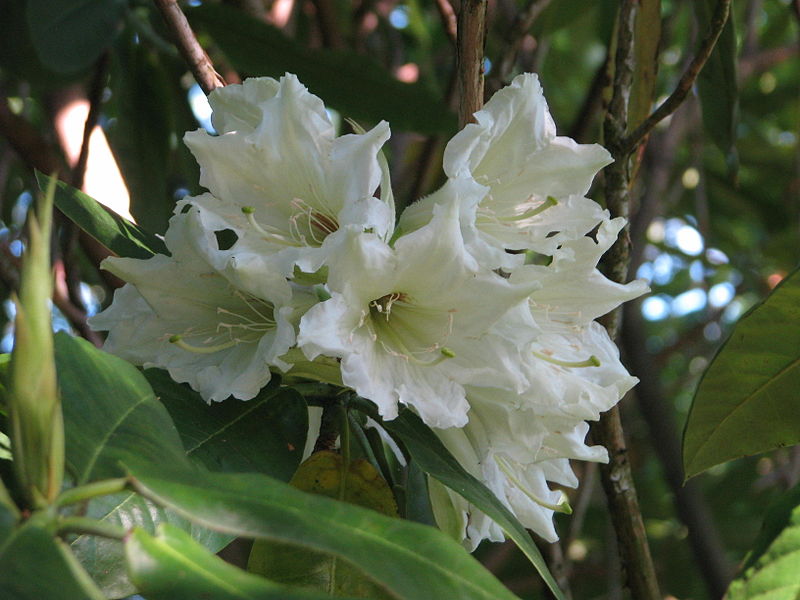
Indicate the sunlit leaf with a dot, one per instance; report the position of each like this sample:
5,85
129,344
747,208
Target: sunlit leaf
117,234
770,570
748,401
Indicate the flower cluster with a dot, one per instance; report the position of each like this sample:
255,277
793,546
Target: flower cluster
476,311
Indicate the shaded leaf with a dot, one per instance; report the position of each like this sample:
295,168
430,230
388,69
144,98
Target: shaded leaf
141,135
322,474
264,435
172,566
119,235
69,35
351,83
647,38
110,413
771,568
747,400
385,549
716,84
433,458
34,565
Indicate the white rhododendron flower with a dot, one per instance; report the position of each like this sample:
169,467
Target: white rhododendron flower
292,261
410,323
535,179
181,314
281,179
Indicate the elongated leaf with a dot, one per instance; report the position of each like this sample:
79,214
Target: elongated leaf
348,82
748,401
716,84
264,435
409,560
436,460
119,235
69,35
646,43
110,413
105,559
141,135
770,570
172,566
36,566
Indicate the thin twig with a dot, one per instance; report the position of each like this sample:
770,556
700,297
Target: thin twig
470,41
448,16
676,98
328,24
516,33
616,476
189,47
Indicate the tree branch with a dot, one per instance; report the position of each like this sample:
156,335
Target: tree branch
676,98
448,16
189,47
616,476
470,40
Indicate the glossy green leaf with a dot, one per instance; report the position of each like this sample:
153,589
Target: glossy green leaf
349,82
436,460
104,558
293,565
117,234
110,413
770,569
387,550
716,84
172,566
34,565
747,400
647,39
69,35
264,435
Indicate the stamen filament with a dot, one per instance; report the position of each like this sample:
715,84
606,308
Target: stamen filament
550,202
562,506
394,340
249,212
178,341
592,361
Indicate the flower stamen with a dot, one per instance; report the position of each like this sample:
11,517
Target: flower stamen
178,341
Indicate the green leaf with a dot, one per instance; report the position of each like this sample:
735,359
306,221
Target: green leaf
747,400
116,233
36,566
110,414
436,460
647,38
770,570
351,83
172,566
264,435
69,35
387,550
143,127
104,558
322,474
716,84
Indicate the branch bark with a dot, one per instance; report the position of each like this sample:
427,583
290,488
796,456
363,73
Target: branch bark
470,41
616,475
516,33
676,98
194,55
